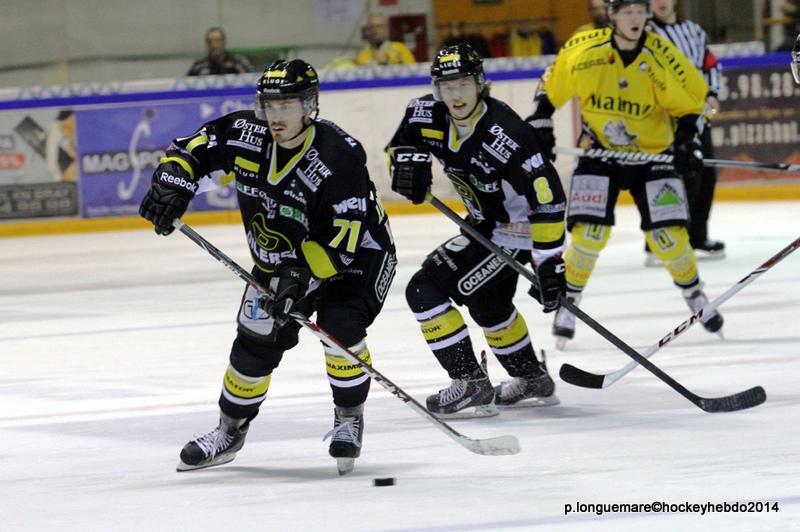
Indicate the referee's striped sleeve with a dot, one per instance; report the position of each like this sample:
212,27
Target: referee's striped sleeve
692,41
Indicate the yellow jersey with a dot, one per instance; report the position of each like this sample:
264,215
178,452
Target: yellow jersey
626,108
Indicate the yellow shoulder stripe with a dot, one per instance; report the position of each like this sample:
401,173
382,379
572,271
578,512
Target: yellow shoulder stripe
199,140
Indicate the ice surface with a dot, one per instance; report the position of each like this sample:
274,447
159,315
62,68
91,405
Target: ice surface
113,346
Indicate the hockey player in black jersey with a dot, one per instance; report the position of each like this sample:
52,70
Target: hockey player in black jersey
795,65
318,236
514,197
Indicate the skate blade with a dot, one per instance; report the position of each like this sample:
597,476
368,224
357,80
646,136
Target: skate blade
468,413
704,257
532,402
345,465
561,343
219,460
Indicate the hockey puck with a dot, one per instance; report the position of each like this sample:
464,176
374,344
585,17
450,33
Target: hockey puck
383,481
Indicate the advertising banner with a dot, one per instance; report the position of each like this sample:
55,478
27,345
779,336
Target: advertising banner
758,121
120,146
38,169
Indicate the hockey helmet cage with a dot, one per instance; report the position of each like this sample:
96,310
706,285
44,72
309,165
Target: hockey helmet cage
457,61
284,80
796,60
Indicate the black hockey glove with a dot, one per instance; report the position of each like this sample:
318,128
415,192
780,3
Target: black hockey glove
289,285
544,135
410,170
550,284
168,198
688,158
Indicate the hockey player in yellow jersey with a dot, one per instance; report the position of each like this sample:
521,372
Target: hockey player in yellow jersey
636,93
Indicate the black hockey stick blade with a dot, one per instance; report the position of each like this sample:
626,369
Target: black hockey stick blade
731,403
578,377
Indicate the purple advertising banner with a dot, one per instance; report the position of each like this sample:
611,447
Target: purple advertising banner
758,122
119,147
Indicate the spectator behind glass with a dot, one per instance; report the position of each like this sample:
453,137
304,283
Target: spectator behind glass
379,50
599,14
219,60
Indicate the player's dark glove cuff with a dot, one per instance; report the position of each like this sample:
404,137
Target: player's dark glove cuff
550,283
410,171
289,285
168,198
545,137
688,158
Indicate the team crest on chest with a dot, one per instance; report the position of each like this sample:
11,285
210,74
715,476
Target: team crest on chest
618,134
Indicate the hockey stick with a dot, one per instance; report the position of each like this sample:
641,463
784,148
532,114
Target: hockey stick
583,378
500,445
633,156
729,403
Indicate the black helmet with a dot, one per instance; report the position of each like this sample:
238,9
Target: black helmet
288,79
796,60
616,5
454,62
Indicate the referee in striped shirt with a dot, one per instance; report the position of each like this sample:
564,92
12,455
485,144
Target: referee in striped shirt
692,40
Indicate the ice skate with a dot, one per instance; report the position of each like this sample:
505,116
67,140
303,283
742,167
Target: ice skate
538,390
346,436
465,398
710,250
564,322
696,299
216,447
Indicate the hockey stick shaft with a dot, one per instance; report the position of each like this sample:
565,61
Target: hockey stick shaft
501,445
611,378
746,399
598,153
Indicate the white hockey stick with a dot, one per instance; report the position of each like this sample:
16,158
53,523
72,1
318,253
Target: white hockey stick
500,445
634,156
579,377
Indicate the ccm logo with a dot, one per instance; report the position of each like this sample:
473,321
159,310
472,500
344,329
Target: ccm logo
415,157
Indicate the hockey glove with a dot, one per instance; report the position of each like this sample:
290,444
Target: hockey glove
688,158
550,283
410,170
544,135
168,198
289,285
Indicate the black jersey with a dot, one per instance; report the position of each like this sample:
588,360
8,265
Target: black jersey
320,207
512,192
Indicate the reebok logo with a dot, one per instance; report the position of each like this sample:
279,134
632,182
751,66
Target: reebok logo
178,181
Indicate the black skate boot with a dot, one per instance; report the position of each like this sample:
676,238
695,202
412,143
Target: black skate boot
709,250
564,322
696,299
537,390
455,401
348,430
216,447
